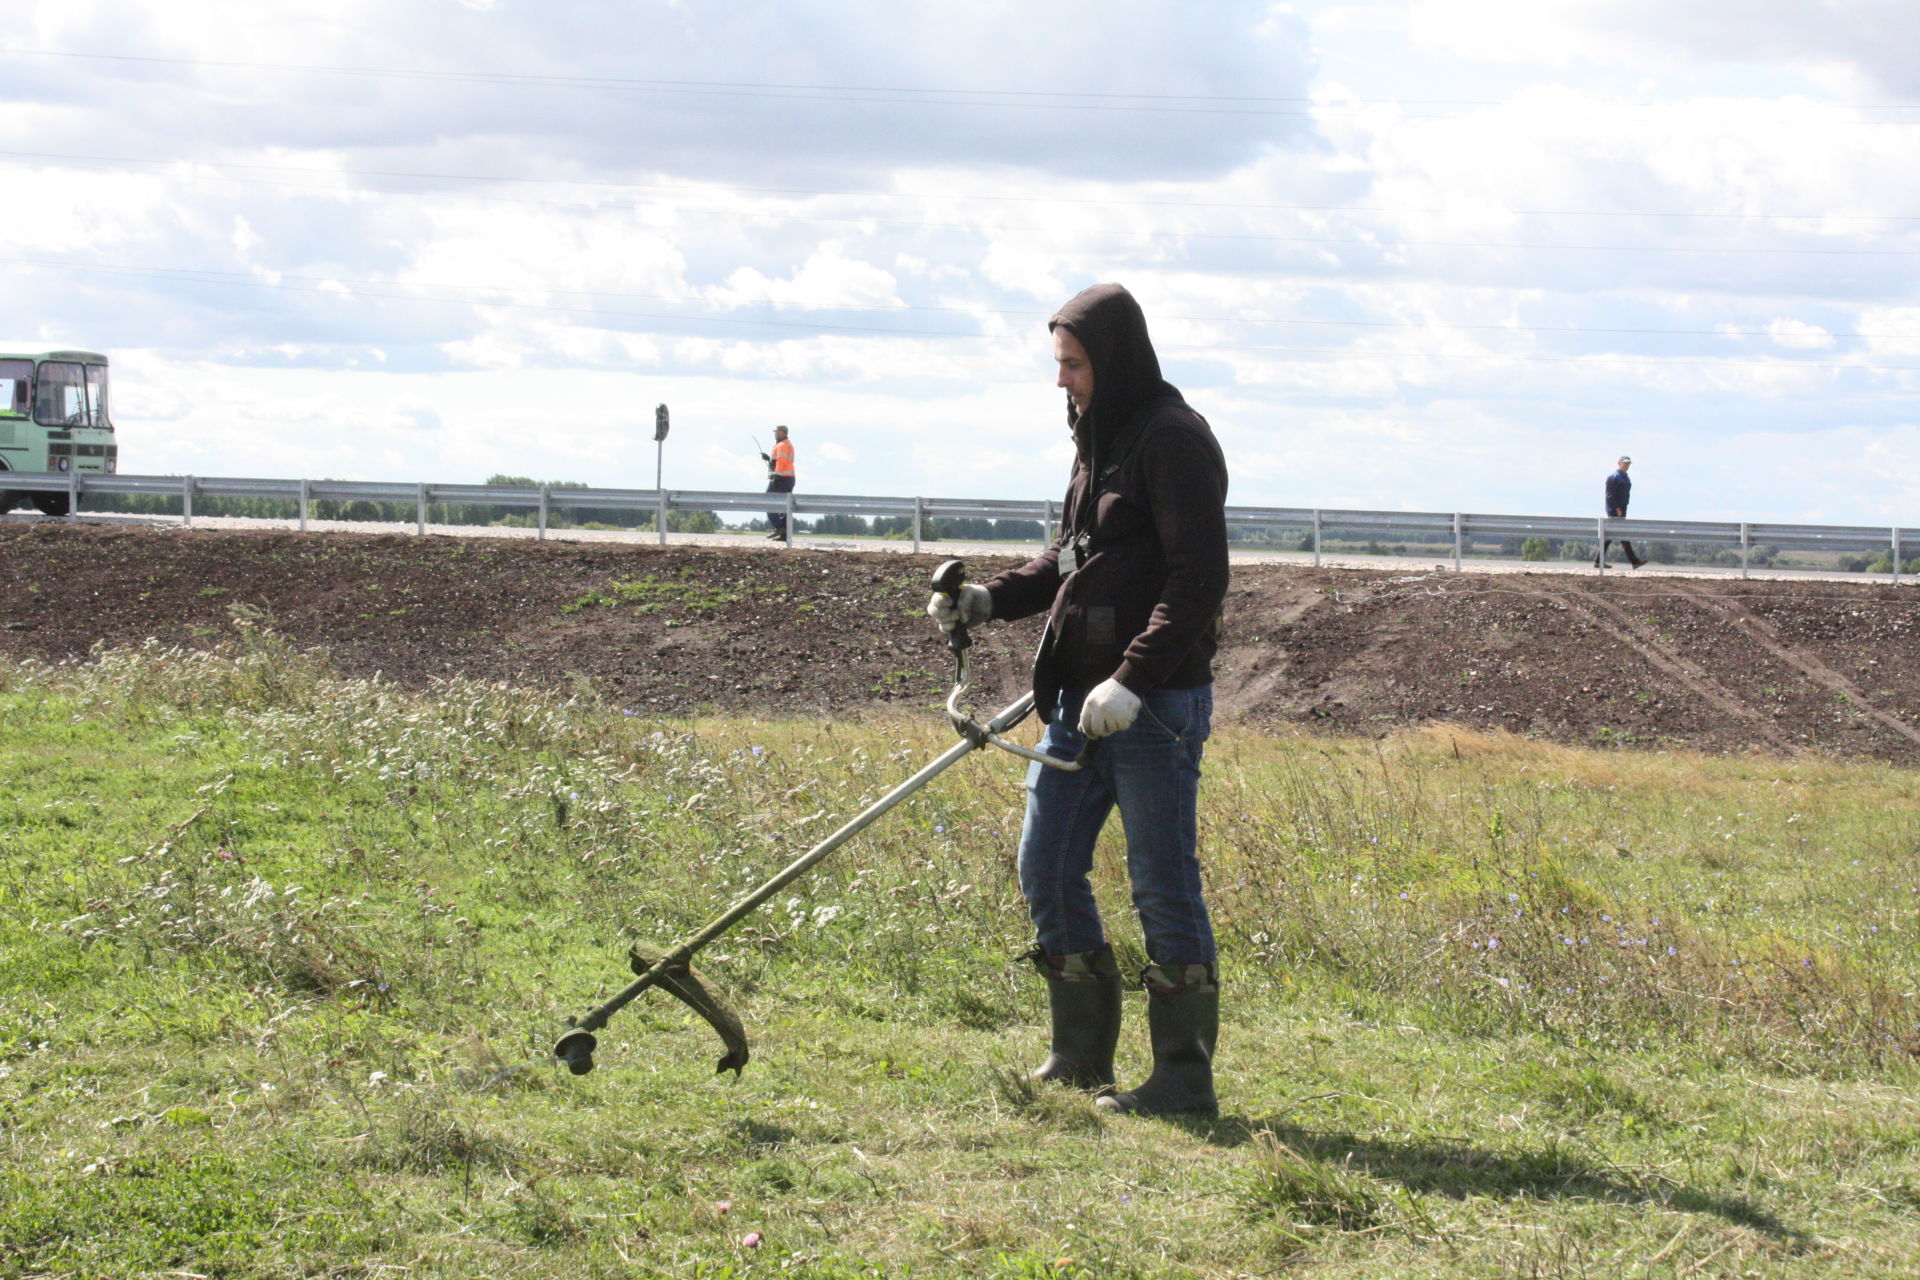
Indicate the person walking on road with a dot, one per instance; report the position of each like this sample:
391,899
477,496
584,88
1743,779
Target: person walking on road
1619,490
1133,589
780,479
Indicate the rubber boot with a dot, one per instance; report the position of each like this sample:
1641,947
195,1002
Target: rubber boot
1183,1024
1083,996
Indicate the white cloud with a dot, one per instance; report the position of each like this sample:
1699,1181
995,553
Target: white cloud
828,278
1797,335
1867,41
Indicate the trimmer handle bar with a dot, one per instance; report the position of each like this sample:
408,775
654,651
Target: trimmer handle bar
947,580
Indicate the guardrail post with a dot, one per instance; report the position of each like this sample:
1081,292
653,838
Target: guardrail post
186,502
420,510
1316,538
1600,551
793,533
1896,555
1456,541
73,494
919,506
660,515
1046,525
543,513
303,506
1746,546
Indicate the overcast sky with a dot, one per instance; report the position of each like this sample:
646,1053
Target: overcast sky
1438,255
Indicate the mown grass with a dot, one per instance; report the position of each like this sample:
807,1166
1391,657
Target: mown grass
282,956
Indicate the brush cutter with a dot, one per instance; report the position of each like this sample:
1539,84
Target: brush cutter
672,972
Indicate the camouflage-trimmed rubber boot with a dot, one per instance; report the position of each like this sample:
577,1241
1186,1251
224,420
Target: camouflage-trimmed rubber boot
1183,1024
1083,995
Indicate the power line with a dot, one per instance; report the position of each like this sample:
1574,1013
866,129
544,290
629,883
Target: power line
1249,237
333,286
1103,202
197,273
1020,100
1028,99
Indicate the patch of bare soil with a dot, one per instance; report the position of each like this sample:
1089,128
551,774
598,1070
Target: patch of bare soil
1720,665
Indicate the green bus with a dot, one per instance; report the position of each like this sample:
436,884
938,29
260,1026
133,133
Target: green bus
53,418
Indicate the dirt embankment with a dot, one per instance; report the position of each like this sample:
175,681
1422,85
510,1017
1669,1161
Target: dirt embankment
1721,665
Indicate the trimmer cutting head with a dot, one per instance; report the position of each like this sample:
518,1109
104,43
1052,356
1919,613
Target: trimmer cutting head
576,1050
677,978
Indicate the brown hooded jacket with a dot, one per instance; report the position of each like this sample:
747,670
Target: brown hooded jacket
1146,513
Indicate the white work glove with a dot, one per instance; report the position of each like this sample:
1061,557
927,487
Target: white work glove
975,607
1110,708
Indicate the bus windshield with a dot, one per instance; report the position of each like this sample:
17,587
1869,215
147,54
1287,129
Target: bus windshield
16,381
97,394
63,396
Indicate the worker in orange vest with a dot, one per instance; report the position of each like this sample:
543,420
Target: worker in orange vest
779,479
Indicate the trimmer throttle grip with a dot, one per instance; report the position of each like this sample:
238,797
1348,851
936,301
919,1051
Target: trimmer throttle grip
947,580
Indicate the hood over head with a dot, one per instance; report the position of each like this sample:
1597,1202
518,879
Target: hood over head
1126,372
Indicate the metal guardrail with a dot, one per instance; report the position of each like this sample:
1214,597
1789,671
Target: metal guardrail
1459,530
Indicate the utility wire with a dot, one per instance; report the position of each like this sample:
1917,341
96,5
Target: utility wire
1024,99
1252,237
335,286
1101,202
197,273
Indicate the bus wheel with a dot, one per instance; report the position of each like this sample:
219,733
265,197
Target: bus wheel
51,504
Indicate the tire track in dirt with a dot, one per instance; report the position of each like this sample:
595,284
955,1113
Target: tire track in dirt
1768,637
1646,642
1252,674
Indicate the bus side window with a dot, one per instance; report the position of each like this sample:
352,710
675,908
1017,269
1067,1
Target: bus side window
16,387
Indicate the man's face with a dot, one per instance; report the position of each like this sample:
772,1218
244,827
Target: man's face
1624,464
1076,369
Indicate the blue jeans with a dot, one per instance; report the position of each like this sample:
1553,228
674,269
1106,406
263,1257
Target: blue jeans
1151,770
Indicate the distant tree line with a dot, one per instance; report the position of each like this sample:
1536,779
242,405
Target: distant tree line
940,529
1759,555
560,513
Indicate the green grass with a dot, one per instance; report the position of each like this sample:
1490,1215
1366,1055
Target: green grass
651,595
282,957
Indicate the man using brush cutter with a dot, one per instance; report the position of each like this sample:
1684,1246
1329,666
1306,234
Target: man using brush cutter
1133,588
